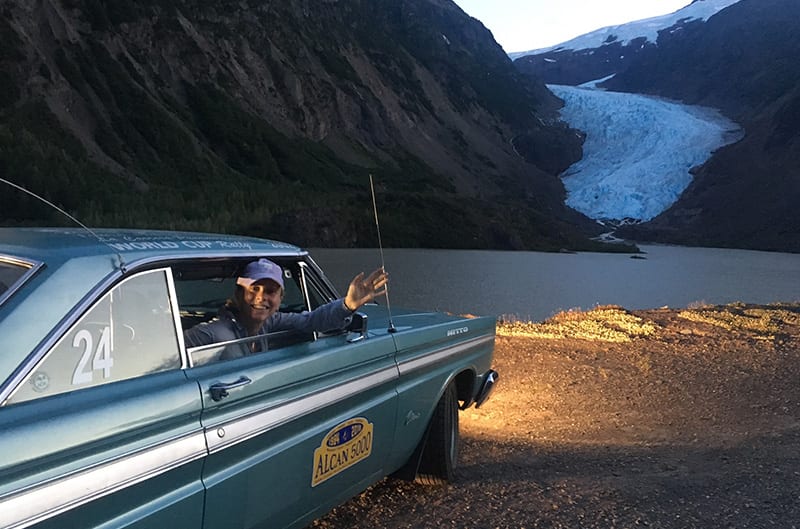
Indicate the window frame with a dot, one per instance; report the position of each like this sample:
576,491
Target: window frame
32,267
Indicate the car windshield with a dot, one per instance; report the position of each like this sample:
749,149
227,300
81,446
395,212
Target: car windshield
10,273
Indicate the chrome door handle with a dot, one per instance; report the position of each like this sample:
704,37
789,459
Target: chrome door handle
220,391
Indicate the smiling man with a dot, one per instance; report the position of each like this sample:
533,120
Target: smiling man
253,310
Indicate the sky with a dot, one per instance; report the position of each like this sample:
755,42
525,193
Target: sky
521,25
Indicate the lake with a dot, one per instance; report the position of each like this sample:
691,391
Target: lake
536,285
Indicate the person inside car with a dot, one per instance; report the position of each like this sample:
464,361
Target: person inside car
253,310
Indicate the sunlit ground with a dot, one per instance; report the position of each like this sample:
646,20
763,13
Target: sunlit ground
609,418
596,376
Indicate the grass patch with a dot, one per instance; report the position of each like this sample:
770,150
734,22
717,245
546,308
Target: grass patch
605,323
763,321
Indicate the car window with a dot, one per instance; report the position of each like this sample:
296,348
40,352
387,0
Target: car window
293,298
128,332
204,288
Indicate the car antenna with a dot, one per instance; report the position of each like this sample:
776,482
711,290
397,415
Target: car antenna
122,265
391,328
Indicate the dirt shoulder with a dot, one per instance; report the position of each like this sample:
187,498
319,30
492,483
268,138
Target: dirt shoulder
609,418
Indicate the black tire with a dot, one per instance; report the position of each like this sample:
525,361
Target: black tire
440,455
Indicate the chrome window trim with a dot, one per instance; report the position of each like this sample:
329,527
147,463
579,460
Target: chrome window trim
176,320
62,330
34,504
218,345
146,262
243,428
235,341
309,261
304,285
32,266
317,278
409,366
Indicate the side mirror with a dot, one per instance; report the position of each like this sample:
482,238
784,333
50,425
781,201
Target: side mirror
357,330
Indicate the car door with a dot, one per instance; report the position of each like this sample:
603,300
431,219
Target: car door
296,430
104,429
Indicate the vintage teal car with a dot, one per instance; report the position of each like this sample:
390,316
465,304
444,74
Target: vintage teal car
107,420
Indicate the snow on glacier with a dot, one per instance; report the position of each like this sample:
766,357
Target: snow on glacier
647,28
638,150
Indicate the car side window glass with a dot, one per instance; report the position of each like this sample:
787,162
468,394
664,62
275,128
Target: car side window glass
204,288
293,298
129,332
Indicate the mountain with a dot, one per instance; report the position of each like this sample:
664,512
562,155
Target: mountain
612,49
741,60
267,118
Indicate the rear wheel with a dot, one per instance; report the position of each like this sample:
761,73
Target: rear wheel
440,455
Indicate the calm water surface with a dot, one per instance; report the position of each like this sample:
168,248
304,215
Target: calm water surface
536,285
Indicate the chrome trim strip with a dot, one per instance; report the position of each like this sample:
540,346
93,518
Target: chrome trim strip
19,261
246,339
30,264
408,366
35,504
244,428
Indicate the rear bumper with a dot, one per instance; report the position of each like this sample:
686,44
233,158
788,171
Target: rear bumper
489,380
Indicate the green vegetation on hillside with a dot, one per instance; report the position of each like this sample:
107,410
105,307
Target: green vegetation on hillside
151,115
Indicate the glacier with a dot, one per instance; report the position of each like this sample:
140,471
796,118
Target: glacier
638,152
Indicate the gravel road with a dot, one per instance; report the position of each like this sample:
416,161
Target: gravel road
696,425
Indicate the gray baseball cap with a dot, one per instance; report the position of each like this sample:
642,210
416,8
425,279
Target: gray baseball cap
258,270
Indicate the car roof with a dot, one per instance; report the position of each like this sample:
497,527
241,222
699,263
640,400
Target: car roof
61,244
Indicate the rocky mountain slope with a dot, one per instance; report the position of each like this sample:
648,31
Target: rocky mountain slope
742,61
267,117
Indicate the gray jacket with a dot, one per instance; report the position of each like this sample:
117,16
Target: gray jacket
329,317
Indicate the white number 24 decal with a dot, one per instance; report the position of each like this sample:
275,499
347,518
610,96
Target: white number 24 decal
101,359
